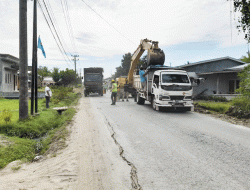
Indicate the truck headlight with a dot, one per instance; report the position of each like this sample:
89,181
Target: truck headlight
164,97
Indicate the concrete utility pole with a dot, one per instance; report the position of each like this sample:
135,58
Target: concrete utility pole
75,56
23,68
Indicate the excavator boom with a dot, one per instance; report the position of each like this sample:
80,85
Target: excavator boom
155,56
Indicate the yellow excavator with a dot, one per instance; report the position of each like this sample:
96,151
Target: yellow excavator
155,56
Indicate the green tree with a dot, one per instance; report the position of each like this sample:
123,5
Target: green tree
43,72
125,65
69,77
244,76
243,6
56,74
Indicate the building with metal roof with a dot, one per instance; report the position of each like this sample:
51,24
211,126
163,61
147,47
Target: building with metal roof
220,76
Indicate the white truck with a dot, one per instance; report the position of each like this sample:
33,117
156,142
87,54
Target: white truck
166,87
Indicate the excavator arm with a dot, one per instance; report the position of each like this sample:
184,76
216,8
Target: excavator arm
155,56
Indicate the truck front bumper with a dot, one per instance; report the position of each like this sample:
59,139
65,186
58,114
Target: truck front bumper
176,104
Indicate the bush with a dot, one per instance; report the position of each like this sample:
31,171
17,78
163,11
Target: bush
240,107
213,98
6,116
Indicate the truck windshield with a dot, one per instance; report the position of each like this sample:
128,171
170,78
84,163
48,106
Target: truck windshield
92,78
174,78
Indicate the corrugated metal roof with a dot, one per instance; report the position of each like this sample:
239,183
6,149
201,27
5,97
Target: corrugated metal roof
211,60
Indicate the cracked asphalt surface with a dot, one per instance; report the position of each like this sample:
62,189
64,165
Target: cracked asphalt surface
173,150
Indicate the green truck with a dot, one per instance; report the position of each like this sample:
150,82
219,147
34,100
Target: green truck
93,80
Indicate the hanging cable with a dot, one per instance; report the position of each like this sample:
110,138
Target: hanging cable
51,31
107,22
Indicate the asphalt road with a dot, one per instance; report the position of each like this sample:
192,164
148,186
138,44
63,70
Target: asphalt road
173,150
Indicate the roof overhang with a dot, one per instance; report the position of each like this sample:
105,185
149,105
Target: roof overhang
217,72
10,69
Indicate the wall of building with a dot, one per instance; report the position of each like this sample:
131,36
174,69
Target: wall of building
8,78
210,84
1,75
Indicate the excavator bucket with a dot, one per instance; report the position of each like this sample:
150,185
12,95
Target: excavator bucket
155,57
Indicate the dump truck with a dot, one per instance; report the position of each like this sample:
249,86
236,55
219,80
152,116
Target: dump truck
165,86
93,80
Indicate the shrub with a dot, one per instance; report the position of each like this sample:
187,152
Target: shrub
6,116
213,98
240,107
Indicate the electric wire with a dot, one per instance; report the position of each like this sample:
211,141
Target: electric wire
107,22
52,32
55,30
59,31
68,23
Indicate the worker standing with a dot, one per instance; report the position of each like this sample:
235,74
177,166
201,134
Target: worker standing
143,78
114,92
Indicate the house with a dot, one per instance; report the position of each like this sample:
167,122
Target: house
49,80
9,80
220,76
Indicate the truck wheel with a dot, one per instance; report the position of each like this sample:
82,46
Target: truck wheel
140,100
153,103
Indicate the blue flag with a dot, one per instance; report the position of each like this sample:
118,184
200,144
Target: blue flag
40,45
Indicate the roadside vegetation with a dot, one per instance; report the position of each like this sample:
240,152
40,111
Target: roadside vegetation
23,140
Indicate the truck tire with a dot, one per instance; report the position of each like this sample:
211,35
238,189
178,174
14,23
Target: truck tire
140,100
153,104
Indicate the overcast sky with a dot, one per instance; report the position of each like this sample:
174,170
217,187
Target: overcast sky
102,31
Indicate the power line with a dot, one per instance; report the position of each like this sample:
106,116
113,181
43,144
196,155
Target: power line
108,22
55,29
51,30
59,31
68,23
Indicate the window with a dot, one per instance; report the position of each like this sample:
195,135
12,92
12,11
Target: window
174,78
6,80
10,77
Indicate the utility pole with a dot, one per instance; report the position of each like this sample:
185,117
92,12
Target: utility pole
34,62
23,68
75,56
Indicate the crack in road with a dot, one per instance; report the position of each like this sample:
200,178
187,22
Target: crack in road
133,173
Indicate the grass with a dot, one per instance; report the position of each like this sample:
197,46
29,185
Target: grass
18,149
220,107
35,134
12,105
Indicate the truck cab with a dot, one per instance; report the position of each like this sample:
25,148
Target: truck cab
170,88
